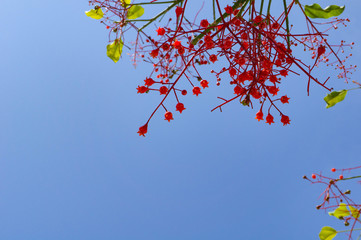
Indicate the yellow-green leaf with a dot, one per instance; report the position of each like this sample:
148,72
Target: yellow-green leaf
316,11
355,213
125,2
135,12
335,97
114,50
96,13
327,233
340,212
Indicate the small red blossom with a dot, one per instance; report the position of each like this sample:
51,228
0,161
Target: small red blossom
273,79
142,89
273,90
143,130
256,94
340,177
275,25
259,115
160,31
154,53
149,82
168,116
283,72
333,169
269,119
313,176
108,27
228,9
178,11
180,107
285,120
244,36
177,44
181,50
213,58
257,19
165,46
196,91
204,83
232,72
284,99
184,92
204,23
227,44
321,50
239,90
163,90
208,38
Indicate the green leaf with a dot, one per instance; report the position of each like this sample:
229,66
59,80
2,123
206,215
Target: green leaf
135,11
114,50
95,13
316,11
355,213
327,233
335,97
340,212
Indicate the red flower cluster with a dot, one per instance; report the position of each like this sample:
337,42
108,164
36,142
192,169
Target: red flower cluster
252,50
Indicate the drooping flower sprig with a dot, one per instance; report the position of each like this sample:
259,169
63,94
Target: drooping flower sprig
336,198
253,50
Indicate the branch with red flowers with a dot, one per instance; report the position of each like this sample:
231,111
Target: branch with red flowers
252,49
334,198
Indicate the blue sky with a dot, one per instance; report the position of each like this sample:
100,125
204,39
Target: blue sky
73,167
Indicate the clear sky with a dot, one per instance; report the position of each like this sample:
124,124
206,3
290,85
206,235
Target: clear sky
73,167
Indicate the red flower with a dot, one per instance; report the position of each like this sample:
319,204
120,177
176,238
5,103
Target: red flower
241,61
285,120
273,79
177,44
181,50
284,99
160,31
245,45
165,46
272,90
163,90
321,50
180,107
257,19
232,72
259,115
244,36
184,92
239,90
142,89
269,119
227,44
228,9
275,25
284,72
168,116
149,82
213,58
154,53
204,83
204,23
256,94
178,11
196,91
208,38
143,130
